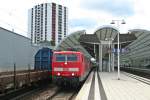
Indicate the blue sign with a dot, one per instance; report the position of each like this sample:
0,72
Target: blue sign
122,50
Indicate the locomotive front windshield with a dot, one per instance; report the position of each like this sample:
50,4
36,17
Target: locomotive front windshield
72,57
60,58
66,57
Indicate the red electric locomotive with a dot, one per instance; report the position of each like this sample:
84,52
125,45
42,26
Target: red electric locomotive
70,66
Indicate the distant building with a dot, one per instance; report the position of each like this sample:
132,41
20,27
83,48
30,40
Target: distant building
48,22
16,49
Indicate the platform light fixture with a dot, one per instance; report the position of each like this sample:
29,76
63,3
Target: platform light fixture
118,22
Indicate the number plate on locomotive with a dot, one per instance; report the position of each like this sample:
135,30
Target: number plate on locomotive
65,69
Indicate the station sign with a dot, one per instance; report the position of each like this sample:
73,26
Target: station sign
122,50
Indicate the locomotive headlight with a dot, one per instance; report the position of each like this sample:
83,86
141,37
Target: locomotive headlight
72,74
58,74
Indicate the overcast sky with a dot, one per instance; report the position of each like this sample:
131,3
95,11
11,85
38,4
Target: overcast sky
83,14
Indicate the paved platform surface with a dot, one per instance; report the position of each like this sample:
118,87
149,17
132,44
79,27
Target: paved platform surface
84,92
126,88
106,86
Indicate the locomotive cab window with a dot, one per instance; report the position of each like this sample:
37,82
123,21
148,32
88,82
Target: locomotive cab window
72,57
60,58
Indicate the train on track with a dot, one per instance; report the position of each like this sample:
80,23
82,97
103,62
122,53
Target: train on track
16,76
18,79
70,67
62,66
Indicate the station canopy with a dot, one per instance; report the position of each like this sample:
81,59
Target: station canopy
72,42
138,32
85,42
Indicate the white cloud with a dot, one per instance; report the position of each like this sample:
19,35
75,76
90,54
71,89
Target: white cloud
15,13
140,20
114,7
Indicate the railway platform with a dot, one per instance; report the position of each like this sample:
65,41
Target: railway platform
106,86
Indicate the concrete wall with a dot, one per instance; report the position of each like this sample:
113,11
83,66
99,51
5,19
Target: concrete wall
16,49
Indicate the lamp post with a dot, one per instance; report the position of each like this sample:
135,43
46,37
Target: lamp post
118,25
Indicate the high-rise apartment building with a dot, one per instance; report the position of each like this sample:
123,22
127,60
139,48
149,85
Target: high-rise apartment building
48,22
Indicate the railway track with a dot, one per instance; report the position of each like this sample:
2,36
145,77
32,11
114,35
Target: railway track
139,74
63,95
21,93
46,92
16,93
52,92
142,79
145,73
42,94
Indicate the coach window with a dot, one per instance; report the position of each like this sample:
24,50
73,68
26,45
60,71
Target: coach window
72,57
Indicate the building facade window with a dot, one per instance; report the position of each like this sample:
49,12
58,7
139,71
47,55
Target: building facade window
40,27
